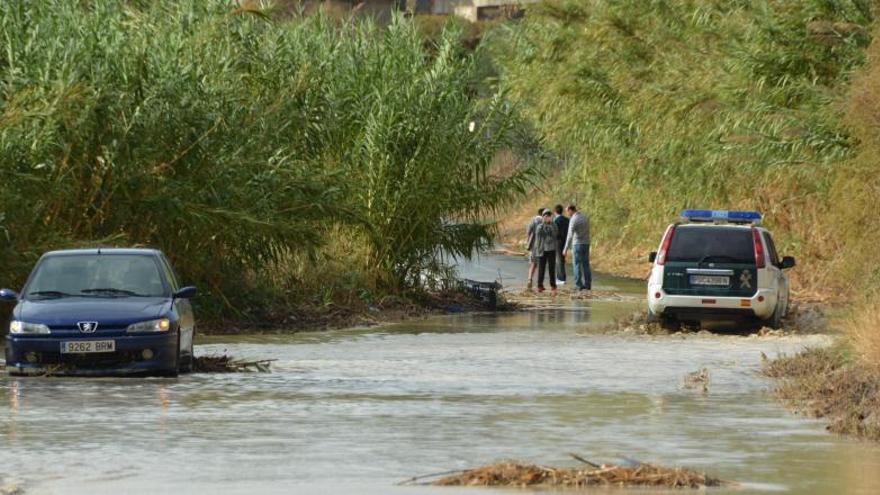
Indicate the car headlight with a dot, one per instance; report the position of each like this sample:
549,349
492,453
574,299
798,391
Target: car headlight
160,325
16,326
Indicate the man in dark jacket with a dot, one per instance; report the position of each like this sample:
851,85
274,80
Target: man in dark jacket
561,222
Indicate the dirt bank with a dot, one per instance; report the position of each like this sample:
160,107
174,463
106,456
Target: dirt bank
829,383
392,309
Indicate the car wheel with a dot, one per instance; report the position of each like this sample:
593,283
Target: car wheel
175,370
775,321
186,363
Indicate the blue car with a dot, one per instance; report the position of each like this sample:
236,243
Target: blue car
101,312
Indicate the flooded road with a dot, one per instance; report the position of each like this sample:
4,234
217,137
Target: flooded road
357,411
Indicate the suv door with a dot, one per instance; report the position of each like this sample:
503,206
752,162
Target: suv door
777,274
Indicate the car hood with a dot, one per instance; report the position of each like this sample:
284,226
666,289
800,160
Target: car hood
108,312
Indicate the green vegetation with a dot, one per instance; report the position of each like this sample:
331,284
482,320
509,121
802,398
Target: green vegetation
658,105
761,104
312,160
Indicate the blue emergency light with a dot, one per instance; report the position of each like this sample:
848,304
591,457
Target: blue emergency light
721,216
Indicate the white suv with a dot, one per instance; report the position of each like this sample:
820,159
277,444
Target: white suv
718,265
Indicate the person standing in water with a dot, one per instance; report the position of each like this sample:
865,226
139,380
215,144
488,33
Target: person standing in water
579,240
530,242
561,222
546,242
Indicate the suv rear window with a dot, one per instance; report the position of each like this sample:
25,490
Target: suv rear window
712,244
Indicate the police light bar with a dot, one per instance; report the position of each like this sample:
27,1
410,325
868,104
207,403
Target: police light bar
718,216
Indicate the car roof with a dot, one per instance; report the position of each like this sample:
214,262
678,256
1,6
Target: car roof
96,251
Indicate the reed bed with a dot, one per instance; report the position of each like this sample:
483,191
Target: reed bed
514,474
250,149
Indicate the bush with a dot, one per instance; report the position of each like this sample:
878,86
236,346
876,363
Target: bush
237,143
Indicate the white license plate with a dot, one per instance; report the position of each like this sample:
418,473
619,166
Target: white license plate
88,346
710,280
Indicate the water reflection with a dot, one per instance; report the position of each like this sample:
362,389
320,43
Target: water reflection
14,396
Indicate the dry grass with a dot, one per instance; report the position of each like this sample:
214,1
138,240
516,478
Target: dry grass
863,331
514,474
826,383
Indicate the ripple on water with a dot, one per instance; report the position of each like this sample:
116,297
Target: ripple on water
354,411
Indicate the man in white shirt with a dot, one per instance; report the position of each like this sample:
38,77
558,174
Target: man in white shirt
578,242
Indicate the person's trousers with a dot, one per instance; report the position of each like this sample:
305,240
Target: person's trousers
582,274
560,265
547,264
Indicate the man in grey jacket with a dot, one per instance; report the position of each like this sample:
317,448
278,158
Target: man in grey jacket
531,229
546,241
578,242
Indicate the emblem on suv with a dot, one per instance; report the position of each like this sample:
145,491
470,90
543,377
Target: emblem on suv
87,326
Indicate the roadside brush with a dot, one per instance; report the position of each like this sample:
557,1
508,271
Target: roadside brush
516,474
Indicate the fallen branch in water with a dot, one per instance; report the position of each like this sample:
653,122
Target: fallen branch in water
514,474
227,364
581,459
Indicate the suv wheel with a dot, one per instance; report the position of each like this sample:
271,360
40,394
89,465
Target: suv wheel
666,322
775,321
652,318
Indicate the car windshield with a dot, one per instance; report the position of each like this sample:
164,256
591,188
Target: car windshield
712,244
96,275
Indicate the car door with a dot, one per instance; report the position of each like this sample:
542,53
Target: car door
182,307
777,273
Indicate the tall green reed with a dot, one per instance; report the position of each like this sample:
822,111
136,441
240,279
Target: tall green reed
233,141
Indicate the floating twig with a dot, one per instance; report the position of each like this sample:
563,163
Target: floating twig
227,364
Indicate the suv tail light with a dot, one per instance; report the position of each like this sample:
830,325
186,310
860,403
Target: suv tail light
664,245
760,261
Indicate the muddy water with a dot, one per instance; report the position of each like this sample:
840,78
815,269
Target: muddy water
356,411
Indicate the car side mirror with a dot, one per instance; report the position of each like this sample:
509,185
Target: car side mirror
8,295
186,292
652,257
788,262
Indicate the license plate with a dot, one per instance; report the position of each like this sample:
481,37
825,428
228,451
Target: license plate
88,346
710,280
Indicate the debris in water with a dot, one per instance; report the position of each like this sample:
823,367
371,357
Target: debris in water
636,323
10,488
515,474
227,364
697,379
